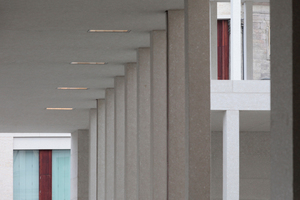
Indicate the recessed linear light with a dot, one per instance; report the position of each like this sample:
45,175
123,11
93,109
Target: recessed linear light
88,63
59,108
72,88
108,31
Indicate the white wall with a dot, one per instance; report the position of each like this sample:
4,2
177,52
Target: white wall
6,168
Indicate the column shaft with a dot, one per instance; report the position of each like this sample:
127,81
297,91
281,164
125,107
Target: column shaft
131,162
235,41
109,144
143,120
80,165
231,155
248,40
119,138
159,112
197,98
93,154
101,148
285,98
176,106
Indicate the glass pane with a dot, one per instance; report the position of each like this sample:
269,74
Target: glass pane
61,176
26,175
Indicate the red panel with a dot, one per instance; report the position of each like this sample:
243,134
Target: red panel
45,171
223,50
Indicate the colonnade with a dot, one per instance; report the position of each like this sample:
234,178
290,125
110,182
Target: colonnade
160,130
150,137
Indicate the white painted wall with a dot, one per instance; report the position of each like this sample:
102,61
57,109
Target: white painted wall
240,95
6,168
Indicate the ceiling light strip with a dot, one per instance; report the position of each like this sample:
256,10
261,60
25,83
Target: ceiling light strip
88,63
59,108
72,88
108,31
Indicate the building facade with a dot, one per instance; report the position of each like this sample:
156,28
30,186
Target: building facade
169,129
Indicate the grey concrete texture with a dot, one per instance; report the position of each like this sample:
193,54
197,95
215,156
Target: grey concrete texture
131,140
158,64
176,105
80,165
109,144
93,154
101,148
119,138
197,56
143,124
255,165
285,98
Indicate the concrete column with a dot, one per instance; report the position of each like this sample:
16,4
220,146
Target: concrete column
159,112
197,98
143,124
176,106
93,154
235,41
119,138
109,143
80,165
248,40
231,155
285,98
131,140
101,148
213,12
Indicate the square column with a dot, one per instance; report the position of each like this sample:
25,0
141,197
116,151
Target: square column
101,148
197,69
285,99
213,12
131,139
235,41
80,165
93,154
231,155
248,40
159,112
109,143
143,124
176,106
119,138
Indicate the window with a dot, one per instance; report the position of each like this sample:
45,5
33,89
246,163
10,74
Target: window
43,174
223,50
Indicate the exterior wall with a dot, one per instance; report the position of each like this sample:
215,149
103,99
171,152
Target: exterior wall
6,168
254,165
7,145
261,41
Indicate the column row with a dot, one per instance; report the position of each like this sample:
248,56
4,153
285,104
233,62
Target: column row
150,137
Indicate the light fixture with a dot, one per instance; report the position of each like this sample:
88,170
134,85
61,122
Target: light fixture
72,88
108,31
88,63
59,108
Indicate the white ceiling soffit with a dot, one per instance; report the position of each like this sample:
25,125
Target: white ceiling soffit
255,1
39,40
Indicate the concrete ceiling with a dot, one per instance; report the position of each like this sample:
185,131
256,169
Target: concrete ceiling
39,38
